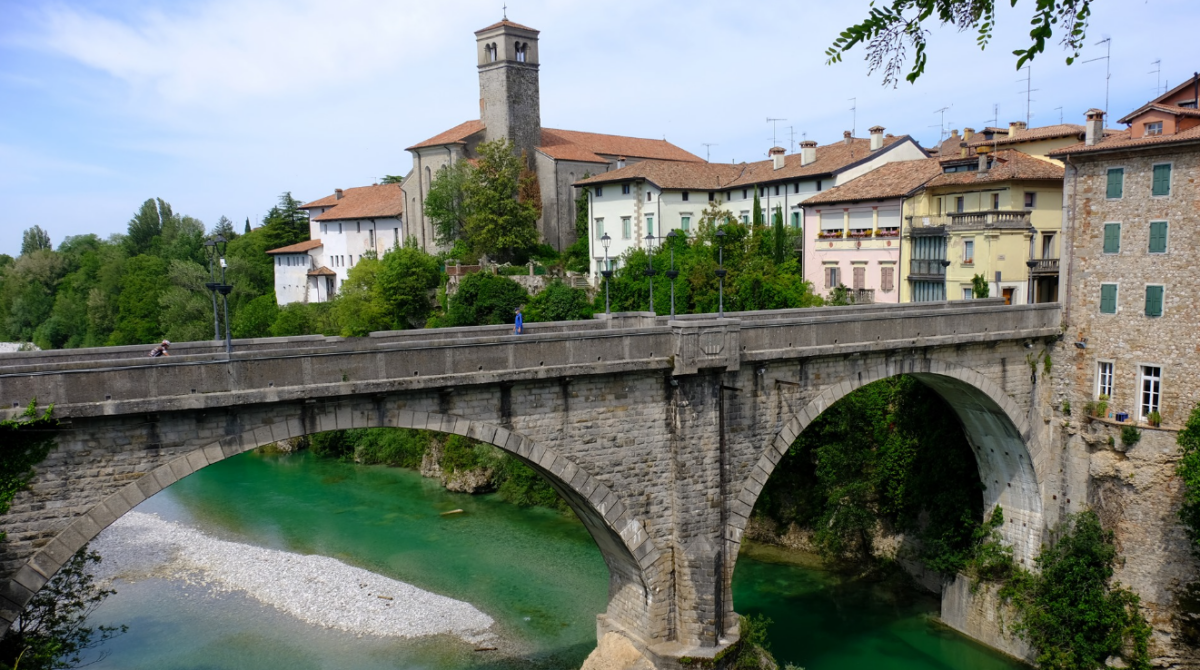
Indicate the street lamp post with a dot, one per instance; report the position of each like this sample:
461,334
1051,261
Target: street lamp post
650,267
672,273
211,285
1031,264
607,271
216,252
720,274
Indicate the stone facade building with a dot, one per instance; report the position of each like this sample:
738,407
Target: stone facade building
509,107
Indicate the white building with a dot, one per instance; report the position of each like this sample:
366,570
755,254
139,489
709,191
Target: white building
656,197
343,227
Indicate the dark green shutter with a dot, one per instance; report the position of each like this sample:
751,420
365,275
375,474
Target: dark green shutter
1158,237
1112,238
1116,180
1108,298
1162,180
1154,300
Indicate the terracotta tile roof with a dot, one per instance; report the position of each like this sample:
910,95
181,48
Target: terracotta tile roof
893,180
1008,164
573,145
456,135
715,176
506,23
363,202
673,175
1122,140
831,158
1032,135
322,272
298,248
1158,106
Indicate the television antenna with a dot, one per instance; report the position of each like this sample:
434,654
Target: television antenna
853,115
1107,41
1060,116
774,142
706,146
791,139
942,124
1028,93
1157,72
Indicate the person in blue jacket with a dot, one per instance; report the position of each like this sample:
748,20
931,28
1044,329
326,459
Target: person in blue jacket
520,324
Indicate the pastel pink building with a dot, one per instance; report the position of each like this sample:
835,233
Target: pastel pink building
852,232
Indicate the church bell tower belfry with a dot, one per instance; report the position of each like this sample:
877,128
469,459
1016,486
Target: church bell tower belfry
509,95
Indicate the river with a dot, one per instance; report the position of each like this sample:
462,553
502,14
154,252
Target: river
535,572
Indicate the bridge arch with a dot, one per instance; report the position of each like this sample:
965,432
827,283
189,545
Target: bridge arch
633,560
1008,453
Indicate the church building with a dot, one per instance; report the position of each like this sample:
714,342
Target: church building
509,107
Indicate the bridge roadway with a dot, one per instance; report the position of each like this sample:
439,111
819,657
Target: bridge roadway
660,434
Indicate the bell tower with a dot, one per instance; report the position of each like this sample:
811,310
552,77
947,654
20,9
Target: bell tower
509,95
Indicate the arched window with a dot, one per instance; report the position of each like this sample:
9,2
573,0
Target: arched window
520,48
428,176
493,54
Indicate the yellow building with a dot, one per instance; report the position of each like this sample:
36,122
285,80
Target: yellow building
984,215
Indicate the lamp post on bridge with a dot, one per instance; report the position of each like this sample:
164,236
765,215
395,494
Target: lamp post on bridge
720,274
1031,264
672,273
216,252
607,271
649,272
212,284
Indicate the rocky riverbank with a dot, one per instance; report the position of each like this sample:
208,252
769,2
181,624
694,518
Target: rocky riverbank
316,589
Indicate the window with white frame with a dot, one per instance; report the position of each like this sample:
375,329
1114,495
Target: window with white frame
625,189
968,252
1151,392
1104,379
599,228
626,227
1154,128
968,294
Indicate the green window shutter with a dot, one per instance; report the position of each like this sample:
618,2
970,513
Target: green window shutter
1158,237
686,222
1116,180
1162,180
1108,298
1112,238
1154,300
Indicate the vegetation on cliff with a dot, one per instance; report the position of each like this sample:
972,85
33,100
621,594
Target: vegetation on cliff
24,442
1189,472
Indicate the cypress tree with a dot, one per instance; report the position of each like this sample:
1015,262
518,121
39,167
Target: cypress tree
780,237
758,213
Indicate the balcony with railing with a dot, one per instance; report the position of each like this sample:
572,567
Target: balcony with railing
989,219
1046,267
927,269
862,296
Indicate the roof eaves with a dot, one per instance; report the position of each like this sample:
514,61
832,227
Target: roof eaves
879,152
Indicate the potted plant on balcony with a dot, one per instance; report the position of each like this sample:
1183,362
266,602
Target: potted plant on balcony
1102,406
1154,419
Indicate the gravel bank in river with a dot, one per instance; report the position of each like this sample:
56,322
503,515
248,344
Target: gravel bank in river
316,589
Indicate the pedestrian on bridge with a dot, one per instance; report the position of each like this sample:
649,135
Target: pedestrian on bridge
519,327
161,350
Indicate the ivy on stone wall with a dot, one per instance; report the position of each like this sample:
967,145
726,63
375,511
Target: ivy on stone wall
24,442
1189,472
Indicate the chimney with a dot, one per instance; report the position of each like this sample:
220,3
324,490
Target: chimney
620,162
983,152
876,138
808,152
846,137
777,156
1095,127
968,133
1014,126
962,150
337,194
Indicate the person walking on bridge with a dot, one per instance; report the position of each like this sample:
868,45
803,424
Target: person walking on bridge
161,350
519,327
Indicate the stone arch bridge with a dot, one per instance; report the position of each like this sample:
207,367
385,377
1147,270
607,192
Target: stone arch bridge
659,433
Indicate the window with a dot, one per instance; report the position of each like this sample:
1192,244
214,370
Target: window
624,189
599,228
649,196
599,191
1154,300
626,228
939,206
712,195
1162,180
685,196
958,203
745,217
1112,238
968,294
1116,183
324,227
795,219
1158,237
649,225
685,223
1108,298
762,191
278,261
1153,128
887,279
777,189
1030,199
796,187
1151,391
358,224
860,278
831,277
1104,379
968,252
995,201
743,194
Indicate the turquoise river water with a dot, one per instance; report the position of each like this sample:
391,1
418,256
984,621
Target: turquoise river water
536,572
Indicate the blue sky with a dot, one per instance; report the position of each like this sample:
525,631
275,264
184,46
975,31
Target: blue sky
218,106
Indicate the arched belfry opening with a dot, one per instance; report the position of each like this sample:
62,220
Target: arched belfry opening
509,89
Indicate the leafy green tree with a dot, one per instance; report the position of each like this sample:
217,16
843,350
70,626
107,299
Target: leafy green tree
559,302
484,299
979,286
499,223
138,303
391,179
287,220
34,239
447,204
404,283
1070,611
246,230
300,318
146,226
361,306
254,319
224,228
892,28
185,313
52,632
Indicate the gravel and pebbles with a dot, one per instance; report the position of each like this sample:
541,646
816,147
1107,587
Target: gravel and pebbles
316,589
